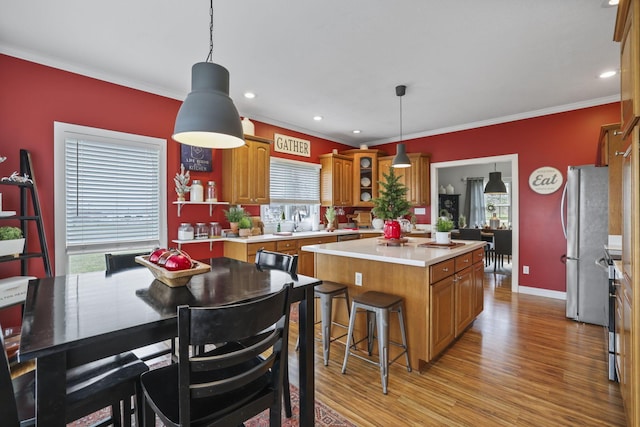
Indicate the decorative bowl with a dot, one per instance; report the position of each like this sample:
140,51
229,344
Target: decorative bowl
173,278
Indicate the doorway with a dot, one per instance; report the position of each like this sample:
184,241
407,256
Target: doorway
512,160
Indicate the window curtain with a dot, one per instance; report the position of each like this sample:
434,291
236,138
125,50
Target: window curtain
474,202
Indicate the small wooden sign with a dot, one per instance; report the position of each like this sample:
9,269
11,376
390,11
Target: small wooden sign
291,145
195,158
545,180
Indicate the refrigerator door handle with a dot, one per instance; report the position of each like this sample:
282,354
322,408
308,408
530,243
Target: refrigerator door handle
562,210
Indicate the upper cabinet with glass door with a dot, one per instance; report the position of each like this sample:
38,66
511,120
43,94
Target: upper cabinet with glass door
365,176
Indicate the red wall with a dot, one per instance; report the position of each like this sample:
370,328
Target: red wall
557,140
34,96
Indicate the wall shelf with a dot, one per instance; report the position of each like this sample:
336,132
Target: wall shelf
211,240
186,202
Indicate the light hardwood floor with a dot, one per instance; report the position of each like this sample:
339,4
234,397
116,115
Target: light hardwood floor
521,363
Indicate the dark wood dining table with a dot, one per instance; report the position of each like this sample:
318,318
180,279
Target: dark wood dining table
74,319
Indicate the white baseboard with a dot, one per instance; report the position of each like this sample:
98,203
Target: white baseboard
542,292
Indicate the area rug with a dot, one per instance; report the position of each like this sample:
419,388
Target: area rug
324,416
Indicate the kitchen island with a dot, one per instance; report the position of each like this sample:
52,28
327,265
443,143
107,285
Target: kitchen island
443,288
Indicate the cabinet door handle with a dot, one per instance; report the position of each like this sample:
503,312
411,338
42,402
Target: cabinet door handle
466,260
617,132
619,153
445,269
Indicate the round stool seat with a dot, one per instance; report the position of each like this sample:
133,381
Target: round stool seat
329,288
377,299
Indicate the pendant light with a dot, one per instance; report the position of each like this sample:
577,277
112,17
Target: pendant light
495,184
207,117
401,160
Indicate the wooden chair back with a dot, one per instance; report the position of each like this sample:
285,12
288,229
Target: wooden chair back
502,242
470,234
8,408
120,262
266,260
236,372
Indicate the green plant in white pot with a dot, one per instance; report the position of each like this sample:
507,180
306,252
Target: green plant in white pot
11,241
444,226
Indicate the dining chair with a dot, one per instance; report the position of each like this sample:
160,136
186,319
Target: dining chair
109,382
231,383
502,242
268,260
120,262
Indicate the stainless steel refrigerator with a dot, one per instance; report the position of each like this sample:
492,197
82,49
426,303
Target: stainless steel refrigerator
585,223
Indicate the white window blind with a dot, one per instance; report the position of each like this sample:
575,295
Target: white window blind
113,195
293,182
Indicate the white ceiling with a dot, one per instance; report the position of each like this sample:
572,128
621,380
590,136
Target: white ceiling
465,63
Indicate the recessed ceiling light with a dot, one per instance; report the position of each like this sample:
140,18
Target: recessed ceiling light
608,74
249,95
610,3
317,118
356,131
613,2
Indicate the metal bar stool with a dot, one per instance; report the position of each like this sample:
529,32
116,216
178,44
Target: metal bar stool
326,292
378,305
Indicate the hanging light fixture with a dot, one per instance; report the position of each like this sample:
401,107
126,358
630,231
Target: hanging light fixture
401,160
207,117
495,184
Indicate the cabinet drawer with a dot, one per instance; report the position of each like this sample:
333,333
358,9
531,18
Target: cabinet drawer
478,255
463,261
286,245
252,248
316,240
441,270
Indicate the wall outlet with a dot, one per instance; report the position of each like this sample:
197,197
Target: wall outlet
358,279
525,269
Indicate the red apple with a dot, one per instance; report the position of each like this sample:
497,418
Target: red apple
177,262
165,256
155,255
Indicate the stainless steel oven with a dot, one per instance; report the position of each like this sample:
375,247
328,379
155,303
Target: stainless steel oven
609,257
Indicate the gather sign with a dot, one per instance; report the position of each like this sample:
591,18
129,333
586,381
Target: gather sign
545,180
291,145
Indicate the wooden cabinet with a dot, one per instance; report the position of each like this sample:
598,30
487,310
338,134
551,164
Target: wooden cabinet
245,172
415,178
306,266
627,32
336,180
441,309
478,282
611,149
456,295
365,176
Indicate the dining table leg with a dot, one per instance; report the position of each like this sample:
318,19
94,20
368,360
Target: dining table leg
51,390
306,359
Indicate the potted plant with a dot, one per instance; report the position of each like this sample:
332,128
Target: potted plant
391,204
11,241
244,226
330,214
234,215
444,226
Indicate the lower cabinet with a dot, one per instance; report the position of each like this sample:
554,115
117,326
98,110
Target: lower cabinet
306,266
456,297
442,310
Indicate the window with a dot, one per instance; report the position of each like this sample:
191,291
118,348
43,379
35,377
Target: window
294,193
499,204
110,193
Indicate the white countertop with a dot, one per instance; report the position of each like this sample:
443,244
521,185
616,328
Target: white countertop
409,254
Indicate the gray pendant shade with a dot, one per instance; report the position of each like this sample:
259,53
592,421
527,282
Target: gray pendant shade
207,117
401,160
495,184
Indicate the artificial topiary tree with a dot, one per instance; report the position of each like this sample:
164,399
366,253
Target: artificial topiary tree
392,201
